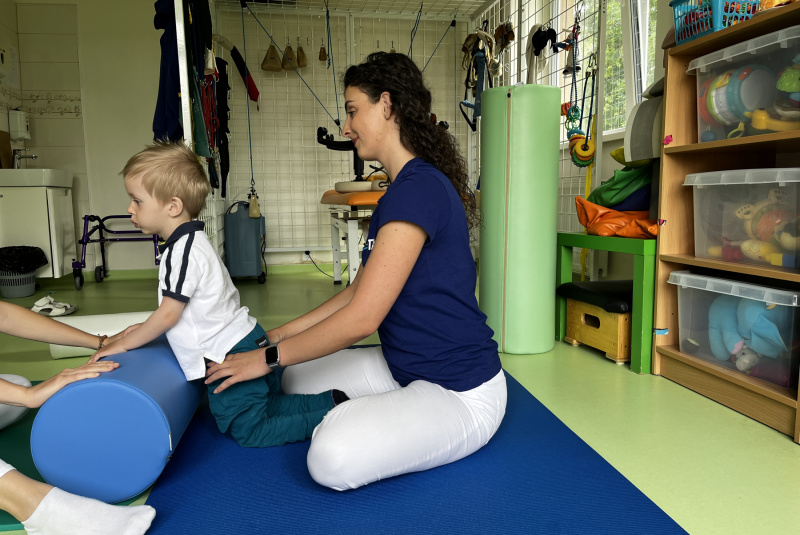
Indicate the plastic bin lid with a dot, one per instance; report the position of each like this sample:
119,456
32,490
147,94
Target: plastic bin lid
758,45
744,176
687,279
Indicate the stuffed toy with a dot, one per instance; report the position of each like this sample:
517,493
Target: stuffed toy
745,359
723,334
735,323
764,327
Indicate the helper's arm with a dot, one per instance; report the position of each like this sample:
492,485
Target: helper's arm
342,322
163,319
36,395
18,321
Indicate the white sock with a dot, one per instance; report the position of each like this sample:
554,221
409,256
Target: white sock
62,513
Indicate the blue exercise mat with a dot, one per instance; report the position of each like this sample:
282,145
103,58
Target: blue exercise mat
534,477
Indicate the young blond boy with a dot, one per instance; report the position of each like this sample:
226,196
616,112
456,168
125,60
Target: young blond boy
199,307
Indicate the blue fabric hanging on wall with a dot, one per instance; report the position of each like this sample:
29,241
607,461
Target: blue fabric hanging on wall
167,119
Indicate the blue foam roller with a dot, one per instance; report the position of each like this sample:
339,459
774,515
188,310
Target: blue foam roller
110,437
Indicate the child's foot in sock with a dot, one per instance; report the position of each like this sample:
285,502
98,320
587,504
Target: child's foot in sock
62,513
338,397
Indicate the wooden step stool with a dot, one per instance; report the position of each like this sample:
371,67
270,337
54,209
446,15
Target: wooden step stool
599,316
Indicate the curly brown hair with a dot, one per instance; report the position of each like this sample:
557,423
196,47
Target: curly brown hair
398,75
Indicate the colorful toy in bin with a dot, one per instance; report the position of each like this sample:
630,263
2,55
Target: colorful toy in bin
730,98
784,114
748,215
789,82
764,224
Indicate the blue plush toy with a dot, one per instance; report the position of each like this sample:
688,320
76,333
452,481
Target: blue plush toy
723,334
735,322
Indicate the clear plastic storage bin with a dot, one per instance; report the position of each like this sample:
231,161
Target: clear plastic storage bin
749,88
743,327
749,216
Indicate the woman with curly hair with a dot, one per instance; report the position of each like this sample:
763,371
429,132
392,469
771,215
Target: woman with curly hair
433,392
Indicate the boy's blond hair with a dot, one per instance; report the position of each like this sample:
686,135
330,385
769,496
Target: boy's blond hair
170,169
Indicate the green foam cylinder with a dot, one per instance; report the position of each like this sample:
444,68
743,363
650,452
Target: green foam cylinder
519,203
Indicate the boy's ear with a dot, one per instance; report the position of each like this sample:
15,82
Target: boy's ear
175,206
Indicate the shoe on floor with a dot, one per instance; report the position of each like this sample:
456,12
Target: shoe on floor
47,306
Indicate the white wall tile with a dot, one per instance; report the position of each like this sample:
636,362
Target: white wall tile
56,132
47,18
51,76
8,15
80,190
39,47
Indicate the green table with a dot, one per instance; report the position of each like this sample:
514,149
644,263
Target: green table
644,270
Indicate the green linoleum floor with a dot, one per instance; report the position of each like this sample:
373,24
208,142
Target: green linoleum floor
711,469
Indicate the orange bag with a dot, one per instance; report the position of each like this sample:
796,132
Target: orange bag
601,221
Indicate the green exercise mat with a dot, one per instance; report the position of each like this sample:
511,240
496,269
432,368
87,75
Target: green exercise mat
519,201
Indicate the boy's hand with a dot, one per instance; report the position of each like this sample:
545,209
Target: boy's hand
38,394
111,339
107,350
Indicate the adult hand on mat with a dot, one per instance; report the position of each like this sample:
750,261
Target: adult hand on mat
36,395
237,367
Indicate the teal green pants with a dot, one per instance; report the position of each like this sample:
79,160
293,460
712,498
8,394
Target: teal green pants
257,414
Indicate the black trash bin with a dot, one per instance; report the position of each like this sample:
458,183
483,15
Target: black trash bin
18,265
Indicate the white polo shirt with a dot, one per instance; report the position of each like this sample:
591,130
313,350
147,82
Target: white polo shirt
213,320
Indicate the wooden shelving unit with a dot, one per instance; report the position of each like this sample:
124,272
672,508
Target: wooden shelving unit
772,405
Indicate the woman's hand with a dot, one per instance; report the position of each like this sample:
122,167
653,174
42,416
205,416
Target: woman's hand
107,350
38,394
237,367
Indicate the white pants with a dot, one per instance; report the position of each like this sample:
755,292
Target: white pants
387,430
5,468
10,414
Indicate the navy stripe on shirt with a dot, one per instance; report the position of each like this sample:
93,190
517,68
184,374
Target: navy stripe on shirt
169,270
176,297
184,262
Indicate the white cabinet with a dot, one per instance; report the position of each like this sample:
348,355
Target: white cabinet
40,217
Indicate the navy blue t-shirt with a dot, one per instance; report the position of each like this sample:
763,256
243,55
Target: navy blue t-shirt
435,330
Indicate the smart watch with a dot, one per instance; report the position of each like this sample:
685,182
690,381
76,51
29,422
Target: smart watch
272,356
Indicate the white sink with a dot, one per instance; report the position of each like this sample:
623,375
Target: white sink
57,178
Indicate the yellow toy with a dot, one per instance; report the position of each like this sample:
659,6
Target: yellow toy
763,218
760,251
